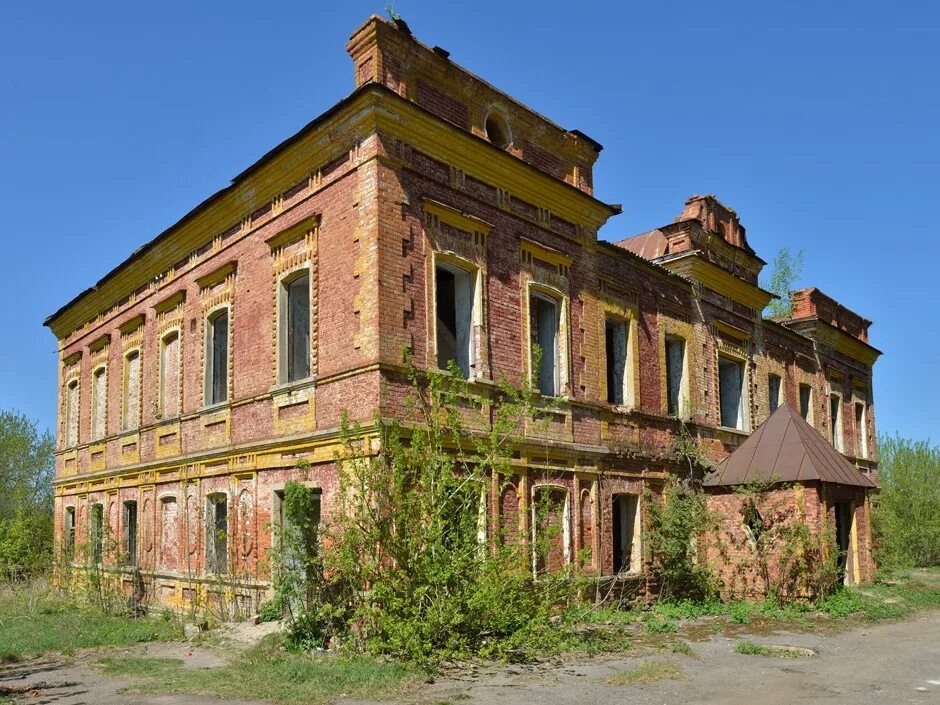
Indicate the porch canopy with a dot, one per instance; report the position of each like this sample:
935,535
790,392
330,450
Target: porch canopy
785,448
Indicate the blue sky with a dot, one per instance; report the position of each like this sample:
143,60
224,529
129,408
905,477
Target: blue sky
818,122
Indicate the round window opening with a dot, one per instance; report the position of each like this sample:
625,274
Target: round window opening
497,131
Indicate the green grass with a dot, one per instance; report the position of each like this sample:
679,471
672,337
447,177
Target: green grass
682,647
647,672
35,621
749,648
265,673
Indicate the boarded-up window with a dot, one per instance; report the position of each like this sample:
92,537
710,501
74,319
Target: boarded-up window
615,340
773,392
131,390
295,328
454,300
543,326
71,414
806,402
217,358
509,514
731,392
169,533
99,403
551,523
170,375
675,375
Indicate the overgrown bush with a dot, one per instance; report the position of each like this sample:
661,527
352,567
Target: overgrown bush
907,510
676,523
26,471
412,567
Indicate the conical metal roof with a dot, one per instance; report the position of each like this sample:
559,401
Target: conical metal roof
786,448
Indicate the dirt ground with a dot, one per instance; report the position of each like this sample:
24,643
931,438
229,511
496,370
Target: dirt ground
897,662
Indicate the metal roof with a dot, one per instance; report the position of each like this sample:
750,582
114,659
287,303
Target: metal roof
785,448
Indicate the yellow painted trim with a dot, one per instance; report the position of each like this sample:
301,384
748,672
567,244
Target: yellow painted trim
132,325
170,302
714,277
295,232
217,275
458,219
542,252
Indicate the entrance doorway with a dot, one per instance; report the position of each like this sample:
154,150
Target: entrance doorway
845,560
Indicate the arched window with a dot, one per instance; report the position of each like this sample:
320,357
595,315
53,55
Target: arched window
71,414
294,328
131,419
216,362
169,402
99,403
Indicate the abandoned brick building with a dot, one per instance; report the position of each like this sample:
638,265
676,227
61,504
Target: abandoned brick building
430,210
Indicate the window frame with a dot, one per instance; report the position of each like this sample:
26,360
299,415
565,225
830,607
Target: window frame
566,528
208,361
628,384
684,391
743,416
72,406
96,515
162,391
99,411
134,424
211,538
559,300
836,422
283,324
774,404
458,265
861,430
130,547
809,418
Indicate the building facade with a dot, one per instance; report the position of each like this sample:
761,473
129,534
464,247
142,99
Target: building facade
426,210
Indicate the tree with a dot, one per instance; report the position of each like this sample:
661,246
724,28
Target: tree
785,271
907,510
26,472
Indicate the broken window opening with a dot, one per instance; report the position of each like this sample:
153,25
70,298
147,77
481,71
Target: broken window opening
217,533
844,520
774,385
806,399
453,305
675,375
861,430
626,532
497,130
130,532
217,358
615,340
68,533
731,392
835,415
295,328
96,531
543,325
753,521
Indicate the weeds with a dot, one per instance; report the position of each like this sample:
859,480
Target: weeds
647,672
267,673
749,648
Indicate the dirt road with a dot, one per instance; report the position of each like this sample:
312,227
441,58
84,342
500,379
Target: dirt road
881,663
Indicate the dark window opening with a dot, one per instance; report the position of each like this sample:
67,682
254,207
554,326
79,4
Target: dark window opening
130,532
773,392
625,515
453,301
806,397
753,521
861,431
217,359
497,131
297,294
543,324
615,341
835,415
844,518
69,533
217,533
97,533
